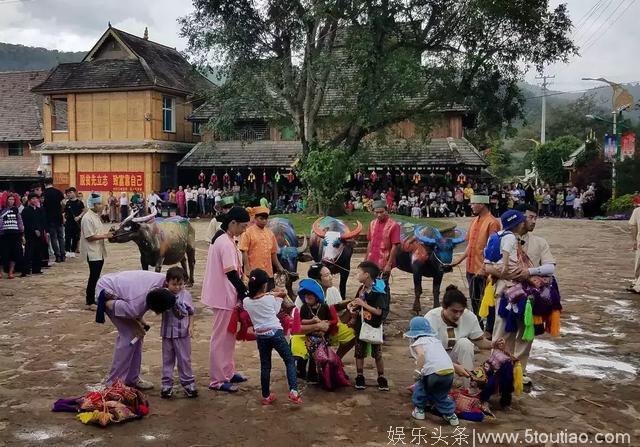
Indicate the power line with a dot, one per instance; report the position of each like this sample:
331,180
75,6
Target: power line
597,36
585,18
594,22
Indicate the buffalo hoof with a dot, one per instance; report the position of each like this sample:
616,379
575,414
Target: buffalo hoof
417,308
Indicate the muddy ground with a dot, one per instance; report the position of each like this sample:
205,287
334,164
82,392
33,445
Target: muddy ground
585,380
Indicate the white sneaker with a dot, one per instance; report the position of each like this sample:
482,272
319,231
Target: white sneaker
143,385
418,414
71,254
452,419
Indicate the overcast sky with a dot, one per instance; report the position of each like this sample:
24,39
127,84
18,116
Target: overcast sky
606,30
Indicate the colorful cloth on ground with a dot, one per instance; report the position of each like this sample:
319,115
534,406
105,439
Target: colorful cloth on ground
114,404
329,365
382,237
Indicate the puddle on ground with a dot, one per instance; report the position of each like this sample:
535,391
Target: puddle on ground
40,434
595,366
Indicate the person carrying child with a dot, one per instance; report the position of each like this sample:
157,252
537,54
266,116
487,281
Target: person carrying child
176,330
434,372
368,305
324,364
263,308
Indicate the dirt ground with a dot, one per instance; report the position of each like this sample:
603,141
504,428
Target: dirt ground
585,380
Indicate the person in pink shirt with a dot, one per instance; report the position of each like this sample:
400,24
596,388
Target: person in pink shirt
181,201
125,297
384,243
222,290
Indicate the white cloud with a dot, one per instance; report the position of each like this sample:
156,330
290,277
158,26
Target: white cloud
75,25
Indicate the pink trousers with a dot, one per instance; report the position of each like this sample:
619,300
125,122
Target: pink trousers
221,349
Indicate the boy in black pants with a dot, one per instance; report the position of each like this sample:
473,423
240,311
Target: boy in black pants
369,303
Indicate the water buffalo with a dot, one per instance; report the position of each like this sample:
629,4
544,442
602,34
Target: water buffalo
290,252
332,244
161,241
425,252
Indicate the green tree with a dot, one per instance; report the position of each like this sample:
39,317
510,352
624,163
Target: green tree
571,119
499,160
340,70
548,158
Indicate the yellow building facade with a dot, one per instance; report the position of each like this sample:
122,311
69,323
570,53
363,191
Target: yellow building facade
117,121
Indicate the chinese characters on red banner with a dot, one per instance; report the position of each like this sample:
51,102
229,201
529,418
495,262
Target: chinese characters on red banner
628,145
110,181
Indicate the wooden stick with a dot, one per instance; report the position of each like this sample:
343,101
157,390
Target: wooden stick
591,402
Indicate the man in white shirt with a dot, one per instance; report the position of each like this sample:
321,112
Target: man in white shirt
202,195
459,331
92,247
634,226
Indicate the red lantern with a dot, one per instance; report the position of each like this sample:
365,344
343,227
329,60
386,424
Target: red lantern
291,177
374,176
214,179
226,179
201,177
264,176
416,178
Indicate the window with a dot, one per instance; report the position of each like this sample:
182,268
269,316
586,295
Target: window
59,114
15,150
168,114
197,128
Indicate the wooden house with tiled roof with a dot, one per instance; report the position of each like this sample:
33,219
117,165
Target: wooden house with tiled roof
20,129
117,120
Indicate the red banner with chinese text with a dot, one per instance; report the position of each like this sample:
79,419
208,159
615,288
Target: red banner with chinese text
628,145
110,181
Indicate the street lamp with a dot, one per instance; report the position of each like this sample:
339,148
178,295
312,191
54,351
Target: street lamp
620,101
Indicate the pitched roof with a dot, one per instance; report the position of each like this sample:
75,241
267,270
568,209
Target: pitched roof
262,154
280,154
23,168
20,110
147,65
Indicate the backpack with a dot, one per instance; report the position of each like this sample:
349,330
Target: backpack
492,251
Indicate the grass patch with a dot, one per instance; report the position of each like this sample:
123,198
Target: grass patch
302,222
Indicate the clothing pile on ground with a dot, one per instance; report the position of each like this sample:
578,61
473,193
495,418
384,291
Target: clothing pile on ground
114,404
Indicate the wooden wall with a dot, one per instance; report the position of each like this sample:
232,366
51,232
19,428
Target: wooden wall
119,116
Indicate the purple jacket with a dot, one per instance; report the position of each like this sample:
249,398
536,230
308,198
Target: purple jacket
11,221
175,322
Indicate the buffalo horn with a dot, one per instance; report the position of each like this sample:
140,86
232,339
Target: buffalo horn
317,230
304,245
144,218
351,234
422,238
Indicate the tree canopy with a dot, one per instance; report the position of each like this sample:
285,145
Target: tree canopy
339,70
548,158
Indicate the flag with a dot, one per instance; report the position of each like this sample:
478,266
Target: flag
628,145
610,147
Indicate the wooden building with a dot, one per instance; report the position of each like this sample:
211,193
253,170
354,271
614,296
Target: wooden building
117,120
20,130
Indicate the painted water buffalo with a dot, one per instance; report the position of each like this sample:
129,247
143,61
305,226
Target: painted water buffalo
425,252
290,251
332,244
161,241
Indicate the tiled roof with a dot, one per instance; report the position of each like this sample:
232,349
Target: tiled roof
19,167
20,110
96,75
438,152
155,65
106,147
276,154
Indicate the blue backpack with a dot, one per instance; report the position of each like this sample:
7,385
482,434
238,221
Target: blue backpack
492,251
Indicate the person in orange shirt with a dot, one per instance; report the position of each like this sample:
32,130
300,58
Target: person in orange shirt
482,226
259,246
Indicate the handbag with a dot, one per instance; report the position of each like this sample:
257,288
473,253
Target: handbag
370,334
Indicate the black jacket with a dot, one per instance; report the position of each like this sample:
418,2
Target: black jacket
33,219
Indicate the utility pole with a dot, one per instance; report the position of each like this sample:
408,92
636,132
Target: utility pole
543,126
